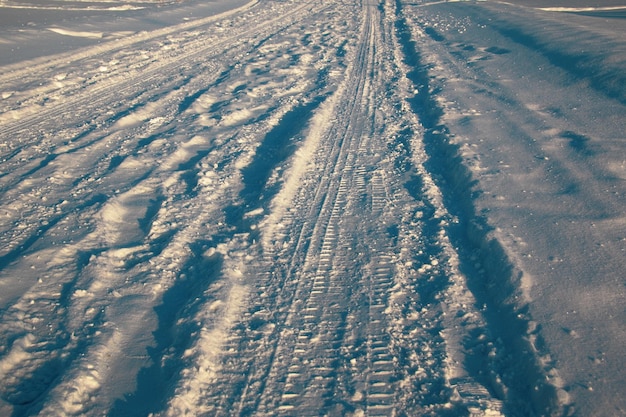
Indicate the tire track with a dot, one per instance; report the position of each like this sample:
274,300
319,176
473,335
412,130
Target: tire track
110,132
233,395
92,98
270,373
139,268
316,375
320,321
108,146
320,280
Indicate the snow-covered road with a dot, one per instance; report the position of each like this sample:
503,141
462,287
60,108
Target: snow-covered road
314,208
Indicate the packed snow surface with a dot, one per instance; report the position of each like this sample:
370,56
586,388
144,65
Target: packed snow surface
304,208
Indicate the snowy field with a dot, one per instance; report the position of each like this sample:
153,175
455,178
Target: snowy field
306,208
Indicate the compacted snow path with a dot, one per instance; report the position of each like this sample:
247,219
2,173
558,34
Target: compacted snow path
292,208
337,322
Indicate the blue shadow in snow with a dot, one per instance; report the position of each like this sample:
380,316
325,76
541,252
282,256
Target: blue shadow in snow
172,337
278,145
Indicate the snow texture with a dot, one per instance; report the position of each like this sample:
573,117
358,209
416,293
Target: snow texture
304,208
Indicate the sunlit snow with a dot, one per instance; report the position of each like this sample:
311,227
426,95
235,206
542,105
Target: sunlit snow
295,208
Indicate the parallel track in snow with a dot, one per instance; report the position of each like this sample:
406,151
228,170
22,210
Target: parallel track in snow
242,223
322,334
91,101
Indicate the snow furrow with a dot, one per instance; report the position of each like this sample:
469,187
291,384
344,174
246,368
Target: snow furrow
134,242
312,208
317,336
487,257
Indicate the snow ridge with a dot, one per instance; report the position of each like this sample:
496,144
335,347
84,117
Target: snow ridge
312,208
495,281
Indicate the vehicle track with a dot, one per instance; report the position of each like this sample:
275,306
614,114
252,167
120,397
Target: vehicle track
90,97
77,335
331,289
301,315
334,326
105,136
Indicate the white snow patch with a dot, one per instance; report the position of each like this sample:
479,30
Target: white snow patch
17,355
67,32
581,9
218,317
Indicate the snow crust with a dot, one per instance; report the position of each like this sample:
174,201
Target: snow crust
535,108
306,208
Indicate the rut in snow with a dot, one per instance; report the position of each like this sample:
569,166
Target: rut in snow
244,214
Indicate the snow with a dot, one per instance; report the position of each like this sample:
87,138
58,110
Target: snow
94,35
339,208
542,186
